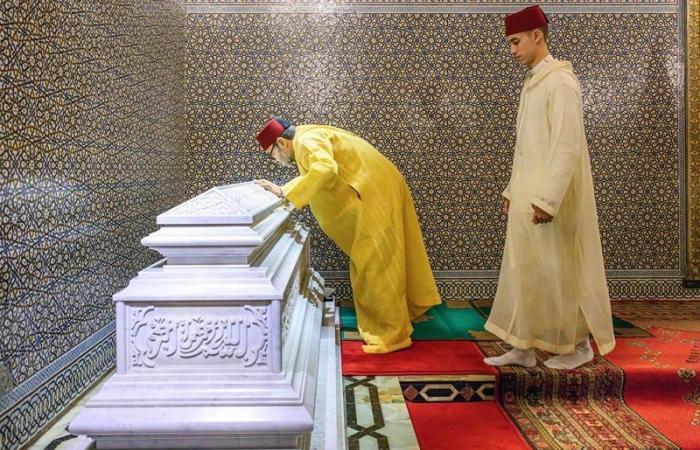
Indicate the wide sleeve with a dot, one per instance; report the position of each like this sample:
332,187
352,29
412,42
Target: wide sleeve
289,185
315,152
566,139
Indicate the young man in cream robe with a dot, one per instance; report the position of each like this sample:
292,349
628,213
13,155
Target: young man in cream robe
552,291
363,204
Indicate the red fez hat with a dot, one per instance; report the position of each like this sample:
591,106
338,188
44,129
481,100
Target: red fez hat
269,133
525,20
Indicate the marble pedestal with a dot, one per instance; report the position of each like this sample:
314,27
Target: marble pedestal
217,345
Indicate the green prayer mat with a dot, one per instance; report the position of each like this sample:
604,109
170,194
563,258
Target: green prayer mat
459,320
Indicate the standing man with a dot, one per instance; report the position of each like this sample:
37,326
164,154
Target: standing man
363,204
552,291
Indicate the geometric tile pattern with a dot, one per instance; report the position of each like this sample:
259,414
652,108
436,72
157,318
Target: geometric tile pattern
91,134
5,379
375,406
56,436
376,414
437,94
448,388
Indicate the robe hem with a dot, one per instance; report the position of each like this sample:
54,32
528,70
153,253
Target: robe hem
524,344
605,348
376,348
421,306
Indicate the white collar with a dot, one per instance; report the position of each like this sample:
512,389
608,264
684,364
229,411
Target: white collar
541,65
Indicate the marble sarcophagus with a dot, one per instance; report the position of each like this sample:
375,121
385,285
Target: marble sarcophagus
217,344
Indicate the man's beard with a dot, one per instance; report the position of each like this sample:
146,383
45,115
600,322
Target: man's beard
286,162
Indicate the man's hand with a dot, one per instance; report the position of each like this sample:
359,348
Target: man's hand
539,216
506,206
270,186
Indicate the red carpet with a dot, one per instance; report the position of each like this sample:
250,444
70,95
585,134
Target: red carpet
662,382
451,426
423,357
647,391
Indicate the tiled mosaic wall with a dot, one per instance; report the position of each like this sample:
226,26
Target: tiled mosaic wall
91,150
437,93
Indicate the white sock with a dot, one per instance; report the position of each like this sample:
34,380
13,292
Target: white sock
515,357
582,354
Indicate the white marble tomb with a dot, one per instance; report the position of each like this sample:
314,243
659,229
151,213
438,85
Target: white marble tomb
217,344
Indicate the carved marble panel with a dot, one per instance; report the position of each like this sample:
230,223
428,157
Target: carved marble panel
167,337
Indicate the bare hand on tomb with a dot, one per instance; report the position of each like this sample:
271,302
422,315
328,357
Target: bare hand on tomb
506,206
270,186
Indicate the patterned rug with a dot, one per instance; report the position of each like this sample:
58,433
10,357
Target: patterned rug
678,314
576,409
662,382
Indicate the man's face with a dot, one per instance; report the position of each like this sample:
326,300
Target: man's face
523,47
281,155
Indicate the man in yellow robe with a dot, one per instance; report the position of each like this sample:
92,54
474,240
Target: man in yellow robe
363,204
552,291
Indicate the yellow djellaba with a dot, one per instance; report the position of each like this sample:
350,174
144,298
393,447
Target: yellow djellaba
362,202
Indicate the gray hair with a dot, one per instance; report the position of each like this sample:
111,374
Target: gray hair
289,132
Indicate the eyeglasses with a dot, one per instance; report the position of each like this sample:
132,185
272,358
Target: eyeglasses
272,150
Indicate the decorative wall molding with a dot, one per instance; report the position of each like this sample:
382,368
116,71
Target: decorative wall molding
692,92
418,7
44,376
35,403
505,3
485,287
471,274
